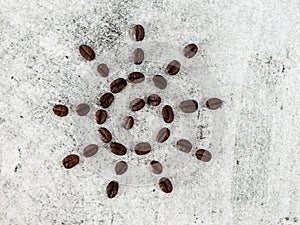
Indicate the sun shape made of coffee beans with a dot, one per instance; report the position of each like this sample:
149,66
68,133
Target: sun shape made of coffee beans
137,104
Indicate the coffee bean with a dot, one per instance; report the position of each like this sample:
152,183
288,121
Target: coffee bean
104,134
103,70
137,104
156,167
128,122
184,145
173,67
121,167
213,103
87,52
60,110
90,150
165,185
203,155
117,148
70,161
118,85
100,116
167,114
82,109
154,100
138,32
106,100
138,56
188,106
160,82
142,148
190,50
136,77
163,135
112,189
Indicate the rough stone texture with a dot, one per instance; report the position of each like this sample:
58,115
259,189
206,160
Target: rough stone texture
252,48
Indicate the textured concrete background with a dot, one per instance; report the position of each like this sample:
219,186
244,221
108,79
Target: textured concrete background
252,49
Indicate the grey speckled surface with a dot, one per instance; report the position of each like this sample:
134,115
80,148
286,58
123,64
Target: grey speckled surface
252,49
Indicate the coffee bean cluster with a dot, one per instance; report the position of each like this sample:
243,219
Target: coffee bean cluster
137,104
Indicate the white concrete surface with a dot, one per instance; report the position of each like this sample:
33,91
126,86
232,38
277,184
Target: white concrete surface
252,49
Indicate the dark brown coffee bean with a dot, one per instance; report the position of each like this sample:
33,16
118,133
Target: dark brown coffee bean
203,155
167,114
112,189
213,103
128,122
70,161
100,116
82,109
188,106
184,145
104,134
190,50
117,148
137,104
87,52
121,167
118,85
163,135
138,32
90,150
103,70
156,167
60,110
154,100
165,185
136,77
142,148
106,100
160,82
173,67
138,56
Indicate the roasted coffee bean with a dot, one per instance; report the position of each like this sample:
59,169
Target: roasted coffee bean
138,32
136,77
173,67
121,167
60,110
82,109
106,100
112,189
87,52
103,70
188,106
128,122
104,134
118,85
154,100
190,50
156,167
142,148
160,82
165,185
70,161
137,104
213,103
163,135
184,145
100,116
90,150
117,148
167,114
138,56
203,155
